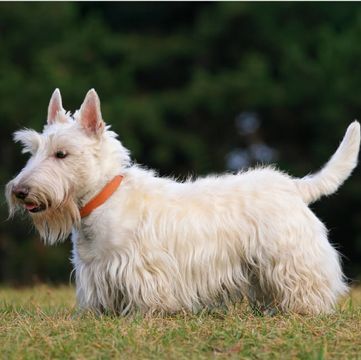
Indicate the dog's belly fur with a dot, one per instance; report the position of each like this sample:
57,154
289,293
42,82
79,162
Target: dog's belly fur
158,245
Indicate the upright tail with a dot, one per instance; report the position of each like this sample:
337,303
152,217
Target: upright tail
336,171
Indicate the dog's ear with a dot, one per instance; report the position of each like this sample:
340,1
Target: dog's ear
55,108
90,116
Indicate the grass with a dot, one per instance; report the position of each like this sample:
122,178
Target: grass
42,323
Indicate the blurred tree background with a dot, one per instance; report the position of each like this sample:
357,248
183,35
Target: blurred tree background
191,88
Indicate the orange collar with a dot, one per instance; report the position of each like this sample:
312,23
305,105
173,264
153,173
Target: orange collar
107,191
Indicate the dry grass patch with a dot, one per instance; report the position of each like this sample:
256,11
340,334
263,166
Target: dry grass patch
42,323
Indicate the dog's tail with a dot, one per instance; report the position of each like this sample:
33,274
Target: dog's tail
336,171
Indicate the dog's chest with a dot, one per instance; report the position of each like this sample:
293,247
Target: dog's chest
101,236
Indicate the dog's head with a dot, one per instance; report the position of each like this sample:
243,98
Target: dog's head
69,162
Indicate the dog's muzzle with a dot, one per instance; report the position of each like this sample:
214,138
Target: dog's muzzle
21,192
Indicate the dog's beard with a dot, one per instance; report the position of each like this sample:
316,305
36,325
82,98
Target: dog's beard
55,222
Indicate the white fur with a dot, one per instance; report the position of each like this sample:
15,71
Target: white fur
158,245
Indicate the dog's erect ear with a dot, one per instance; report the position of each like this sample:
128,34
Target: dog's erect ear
55,107
90,116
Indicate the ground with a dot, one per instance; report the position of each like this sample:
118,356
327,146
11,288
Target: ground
42,323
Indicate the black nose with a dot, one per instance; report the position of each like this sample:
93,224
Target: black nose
21,192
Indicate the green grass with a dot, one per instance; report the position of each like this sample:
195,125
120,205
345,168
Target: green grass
42,323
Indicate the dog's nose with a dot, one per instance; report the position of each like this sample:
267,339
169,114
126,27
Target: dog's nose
21,192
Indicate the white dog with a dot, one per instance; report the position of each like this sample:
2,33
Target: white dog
149,244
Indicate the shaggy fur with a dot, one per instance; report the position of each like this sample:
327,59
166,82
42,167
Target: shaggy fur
157,245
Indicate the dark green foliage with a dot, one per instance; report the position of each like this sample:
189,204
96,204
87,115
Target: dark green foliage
173,77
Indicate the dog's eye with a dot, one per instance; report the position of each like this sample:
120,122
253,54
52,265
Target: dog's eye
61,154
